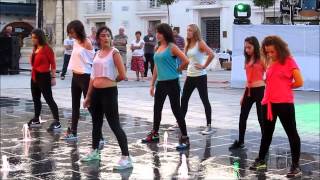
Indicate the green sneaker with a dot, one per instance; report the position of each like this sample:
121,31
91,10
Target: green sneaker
258,165
92,156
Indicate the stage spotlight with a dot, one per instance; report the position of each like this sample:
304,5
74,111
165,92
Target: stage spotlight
242,13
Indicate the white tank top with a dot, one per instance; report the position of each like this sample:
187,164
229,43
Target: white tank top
105,67
195,56
81,59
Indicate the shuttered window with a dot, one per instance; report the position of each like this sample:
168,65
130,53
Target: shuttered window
210,28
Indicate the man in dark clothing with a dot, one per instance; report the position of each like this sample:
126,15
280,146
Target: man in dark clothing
179,41
6,50
150,43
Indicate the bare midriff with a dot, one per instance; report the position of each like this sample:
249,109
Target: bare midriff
76,72
103,82
254,84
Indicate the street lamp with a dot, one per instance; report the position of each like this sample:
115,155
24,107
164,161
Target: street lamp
242,13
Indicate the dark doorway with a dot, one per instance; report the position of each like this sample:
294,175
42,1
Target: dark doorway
210,31
20,29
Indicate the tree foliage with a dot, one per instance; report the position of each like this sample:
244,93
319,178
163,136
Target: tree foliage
168,3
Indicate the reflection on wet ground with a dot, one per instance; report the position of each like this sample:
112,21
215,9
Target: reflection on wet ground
48,157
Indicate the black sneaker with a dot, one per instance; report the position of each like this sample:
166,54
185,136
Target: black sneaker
183,143
102,142
294,172
258,165
34,122
55,126
236,145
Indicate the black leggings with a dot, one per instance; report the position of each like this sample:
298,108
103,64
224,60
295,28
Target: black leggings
66,60
43,86
104,101
256,95
286,114
79,85
190,84
172,89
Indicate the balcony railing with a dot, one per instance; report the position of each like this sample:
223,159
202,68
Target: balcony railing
208,2
99,8
150,5
18,9
154,4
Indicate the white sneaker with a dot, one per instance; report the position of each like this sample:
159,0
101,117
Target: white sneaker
124,163
207,131
173,128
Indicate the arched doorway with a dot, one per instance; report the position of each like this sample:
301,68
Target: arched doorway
20,29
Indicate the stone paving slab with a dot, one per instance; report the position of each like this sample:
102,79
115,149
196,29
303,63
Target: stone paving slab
48,157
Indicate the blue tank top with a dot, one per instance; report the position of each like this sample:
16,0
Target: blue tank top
166,65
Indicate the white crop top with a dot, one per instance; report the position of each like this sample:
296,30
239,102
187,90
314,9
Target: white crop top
81,59
195,56
105,67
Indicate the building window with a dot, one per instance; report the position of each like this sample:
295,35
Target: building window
210,29
207,2
100,24
101,5
154,3
125,24
125,8
153,25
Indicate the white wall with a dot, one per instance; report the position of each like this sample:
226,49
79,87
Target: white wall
128,19
303,42
181,17
226,19
181,14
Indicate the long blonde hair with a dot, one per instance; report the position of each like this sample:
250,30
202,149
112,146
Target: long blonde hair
196,35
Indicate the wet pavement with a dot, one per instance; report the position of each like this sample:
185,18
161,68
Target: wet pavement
48,157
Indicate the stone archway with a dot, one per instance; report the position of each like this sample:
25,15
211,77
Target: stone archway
20,29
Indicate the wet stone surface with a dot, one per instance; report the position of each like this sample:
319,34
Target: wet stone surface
48,157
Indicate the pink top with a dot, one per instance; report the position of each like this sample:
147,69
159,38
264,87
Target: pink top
279,78
254,72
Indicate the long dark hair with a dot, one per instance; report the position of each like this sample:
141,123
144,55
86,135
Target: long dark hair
40,36
78,28
280,45
100,31
166,31
42,41
256,49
